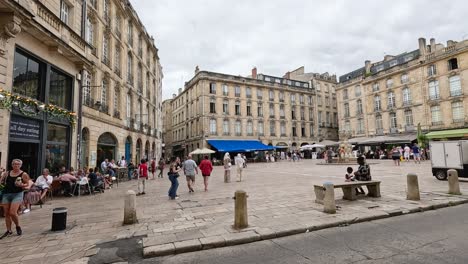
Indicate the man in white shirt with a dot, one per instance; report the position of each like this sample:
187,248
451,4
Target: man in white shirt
43,182
240,162
407,152
104,166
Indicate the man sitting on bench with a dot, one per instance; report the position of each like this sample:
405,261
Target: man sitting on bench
363,172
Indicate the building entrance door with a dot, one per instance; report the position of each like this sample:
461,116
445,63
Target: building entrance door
128,150
28,153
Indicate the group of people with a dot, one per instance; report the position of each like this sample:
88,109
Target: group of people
190,169
240,163
19,191
400,154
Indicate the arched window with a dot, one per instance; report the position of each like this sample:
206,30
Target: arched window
130,69
212,105
104,88
406,96
226,127
148,88
213,126
238,128
391,100
249,128
359,106
346,110
128,106
237,108
260,128
377,105
393,120
117,102
283,129
408,117
378,123
140,78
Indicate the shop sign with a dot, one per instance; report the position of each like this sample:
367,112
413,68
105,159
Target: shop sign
23,128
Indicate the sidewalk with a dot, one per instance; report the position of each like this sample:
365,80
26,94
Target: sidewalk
281,202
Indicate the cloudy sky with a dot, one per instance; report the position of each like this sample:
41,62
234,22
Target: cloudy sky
232,36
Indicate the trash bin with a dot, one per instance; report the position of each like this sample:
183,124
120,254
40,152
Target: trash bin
59,218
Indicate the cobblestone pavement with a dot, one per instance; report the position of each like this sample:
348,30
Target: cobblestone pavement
281,202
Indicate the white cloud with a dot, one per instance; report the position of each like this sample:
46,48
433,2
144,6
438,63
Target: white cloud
276,36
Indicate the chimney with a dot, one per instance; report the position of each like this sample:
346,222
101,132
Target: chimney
180,90
196,69
450,43
433,45
174,96
254,73
287,75
367,66
422,46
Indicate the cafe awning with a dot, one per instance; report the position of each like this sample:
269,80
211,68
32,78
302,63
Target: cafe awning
452,133
239,145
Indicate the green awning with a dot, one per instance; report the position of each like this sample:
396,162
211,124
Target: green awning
453,133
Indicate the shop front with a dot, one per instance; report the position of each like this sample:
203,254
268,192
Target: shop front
40,105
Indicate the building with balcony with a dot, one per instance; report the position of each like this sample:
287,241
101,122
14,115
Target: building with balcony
277,111
167,125
324,104
426,86
67,87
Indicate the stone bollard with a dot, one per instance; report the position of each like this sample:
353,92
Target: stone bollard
413,187
240,210
130,216
329,206
454,186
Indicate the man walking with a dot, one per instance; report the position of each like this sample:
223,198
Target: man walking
407,153
190,168
416,154
240,166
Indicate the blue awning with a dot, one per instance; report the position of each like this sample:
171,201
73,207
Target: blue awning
238,145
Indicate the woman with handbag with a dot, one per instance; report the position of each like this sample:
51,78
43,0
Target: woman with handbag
12,195
173,173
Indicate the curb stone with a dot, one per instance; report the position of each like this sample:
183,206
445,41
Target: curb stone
253,235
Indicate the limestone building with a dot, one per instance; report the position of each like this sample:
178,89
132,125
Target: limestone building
77,77
274,110
323,100
426,86
167,125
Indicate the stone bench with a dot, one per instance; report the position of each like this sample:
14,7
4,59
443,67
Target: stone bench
349,190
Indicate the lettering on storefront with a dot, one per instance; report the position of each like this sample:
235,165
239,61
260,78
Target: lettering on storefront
22,128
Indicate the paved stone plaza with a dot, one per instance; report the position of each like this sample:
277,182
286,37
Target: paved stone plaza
281,202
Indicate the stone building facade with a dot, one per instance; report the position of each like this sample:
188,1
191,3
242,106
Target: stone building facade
323,100
426,86
167,124
90,59
277,111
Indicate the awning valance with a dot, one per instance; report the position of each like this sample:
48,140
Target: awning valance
452,133
238,145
